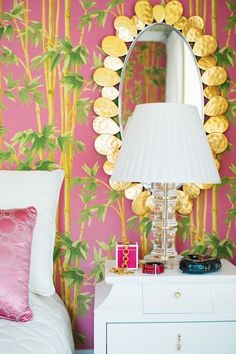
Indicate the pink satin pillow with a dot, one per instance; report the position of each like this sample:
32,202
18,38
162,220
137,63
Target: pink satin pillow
16,232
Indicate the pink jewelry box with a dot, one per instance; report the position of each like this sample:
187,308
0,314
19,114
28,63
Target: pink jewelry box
127,255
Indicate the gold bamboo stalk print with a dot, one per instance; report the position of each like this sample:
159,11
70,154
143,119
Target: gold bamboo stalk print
199,217
229,224
192,227
123,220
62,111
123,9
214,17
66,158
25,48
68,37
26,18
73,119
44,41
37,107
204,214
214,208
205,11
67,119
215,188
61,91
57,21
67,19
51,72
190,6
198,7
142,239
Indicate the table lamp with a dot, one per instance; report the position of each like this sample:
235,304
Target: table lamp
165,146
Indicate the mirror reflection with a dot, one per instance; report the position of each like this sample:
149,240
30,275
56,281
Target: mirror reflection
159,67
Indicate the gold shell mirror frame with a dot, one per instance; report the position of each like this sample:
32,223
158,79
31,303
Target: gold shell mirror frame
106,124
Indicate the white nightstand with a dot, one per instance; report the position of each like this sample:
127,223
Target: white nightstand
166,313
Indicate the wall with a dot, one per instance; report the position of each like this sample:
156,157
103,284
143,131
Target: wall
47,94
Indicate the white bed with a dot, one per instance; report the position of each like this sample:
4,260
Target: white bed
49,332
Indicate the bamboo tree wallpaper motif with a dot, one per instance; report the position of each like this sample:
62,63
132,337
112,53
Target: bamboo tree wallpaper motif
49,51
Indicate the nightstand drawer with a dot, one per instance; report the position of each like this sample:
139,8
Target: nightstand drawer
224,298
171,338
171,298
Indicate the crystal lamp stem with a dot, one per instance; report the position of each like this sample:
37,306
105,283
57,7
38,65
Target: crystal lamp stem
164,225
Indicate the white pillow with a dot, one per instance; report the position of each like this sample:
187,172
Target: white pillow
20,189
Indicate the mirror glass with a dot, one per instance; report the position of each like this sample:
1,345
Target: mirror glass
159,67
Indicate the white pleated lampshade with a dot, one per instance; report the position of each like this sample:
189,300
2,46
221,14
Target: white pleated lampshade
165,143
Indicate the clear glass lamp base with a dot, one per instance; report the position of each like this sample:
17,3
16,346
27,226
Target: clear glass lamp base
169,262
164,225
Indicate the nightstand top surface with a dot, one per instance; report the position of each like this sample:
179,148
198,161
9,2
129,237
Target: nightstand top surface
226,274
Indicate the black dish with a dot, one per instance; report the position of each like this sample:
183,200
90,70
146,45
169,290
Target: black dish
197,264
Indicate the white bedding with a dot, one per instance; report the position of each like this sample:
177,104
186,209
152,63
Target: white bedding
49,332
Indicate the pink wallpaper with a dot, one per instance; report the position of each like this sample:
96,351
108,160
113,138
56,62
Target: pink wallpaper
17,117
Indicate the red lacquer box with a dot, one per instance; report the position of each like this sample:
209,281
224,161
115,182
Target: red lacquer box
127,255
153,268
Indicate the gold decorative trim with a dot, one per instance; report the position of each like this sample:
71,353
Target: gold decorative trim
115,46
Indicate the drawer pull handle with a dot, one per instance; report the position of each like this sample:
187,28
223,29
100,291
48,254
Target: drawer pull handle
178,345
177,295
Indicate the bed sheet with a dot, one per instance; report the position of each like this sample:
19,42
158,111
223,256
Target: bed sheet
49,332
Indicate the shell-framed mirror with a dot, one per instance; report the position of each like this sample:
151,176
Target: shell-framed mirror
159,67
189,66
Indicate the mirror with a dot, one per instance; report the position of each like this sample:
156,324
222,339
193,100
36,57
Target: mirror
159,67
